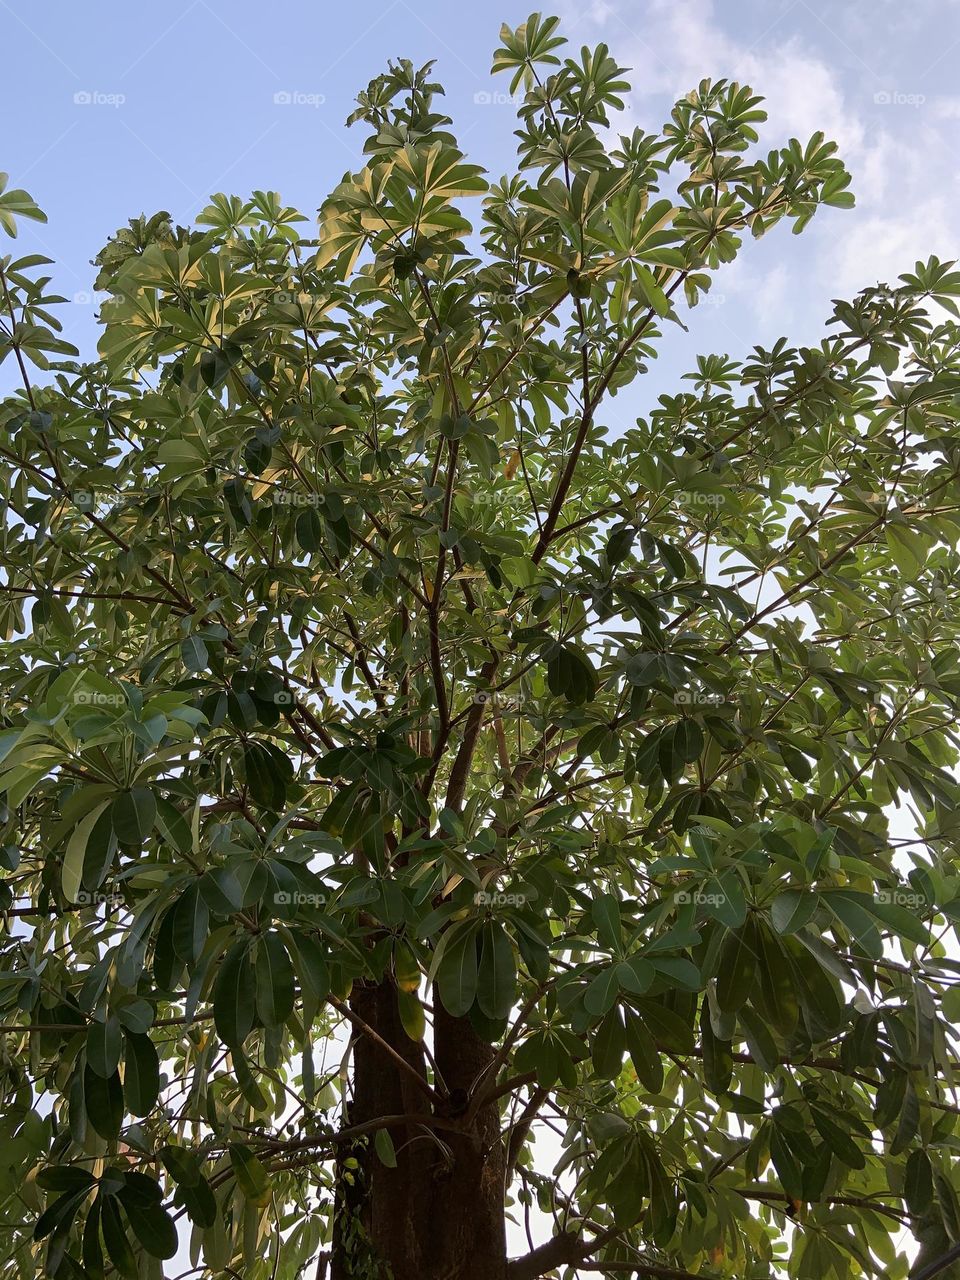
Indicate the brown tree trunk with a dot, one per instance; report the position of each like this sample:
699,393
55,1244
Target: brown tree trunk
439,1214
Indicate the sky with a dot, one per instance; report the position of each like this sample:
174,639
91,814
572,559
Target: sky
112,109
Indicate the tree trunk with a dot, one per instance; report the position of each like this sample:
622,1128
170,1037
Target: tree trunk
439,1215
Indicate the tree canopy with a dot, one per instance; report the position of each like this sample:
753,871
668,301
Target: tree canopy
425,806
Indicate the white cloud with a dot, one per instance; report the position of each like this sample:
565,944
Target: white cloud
681,43
906,208
899,152
884,245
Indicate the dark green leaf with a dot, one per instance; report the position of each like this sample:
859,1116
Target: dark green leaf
274,980
141,1076
234,996
133,815
497,972
103,1046
103,1100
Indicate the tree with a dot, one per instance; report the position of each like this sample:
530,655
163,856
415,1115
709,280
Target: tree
411,785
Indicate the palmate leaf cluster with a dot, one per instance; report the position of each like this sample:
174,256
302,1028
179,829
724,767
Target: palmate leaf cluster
344,642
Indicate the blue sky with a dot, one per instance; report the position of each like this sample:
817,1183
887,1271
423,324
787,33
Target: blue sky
113,109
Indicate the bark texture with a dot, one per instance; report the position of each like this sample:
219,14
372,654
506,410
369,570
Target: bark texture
439,1215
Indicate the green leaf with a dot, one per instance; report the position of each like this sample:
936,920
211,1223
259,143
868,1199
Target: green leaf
136,1188
643,1053
182,1165
761,1043
383,1145
234,996
792,909
457,976
497,971
605,910
116,1241
840,1142
199,1202
818,996
71,874
247,1081
194,655
58,1215
251,1176
265,777
688,741
64,1178
603,991
215,364
222,891
191,922
636,975
133,814
153,1227
737,966
99,856
797,763
918,1182
717,1057
274,980
103,1046
898,918
310,530
785,1162
669,1030
609,1046
679,745
310,961
412,1017
103,1100
619,544
851,912
657,299
570,674
141,1075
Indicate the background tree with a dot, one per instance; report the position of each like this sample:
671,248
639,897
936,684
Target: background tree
399,767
